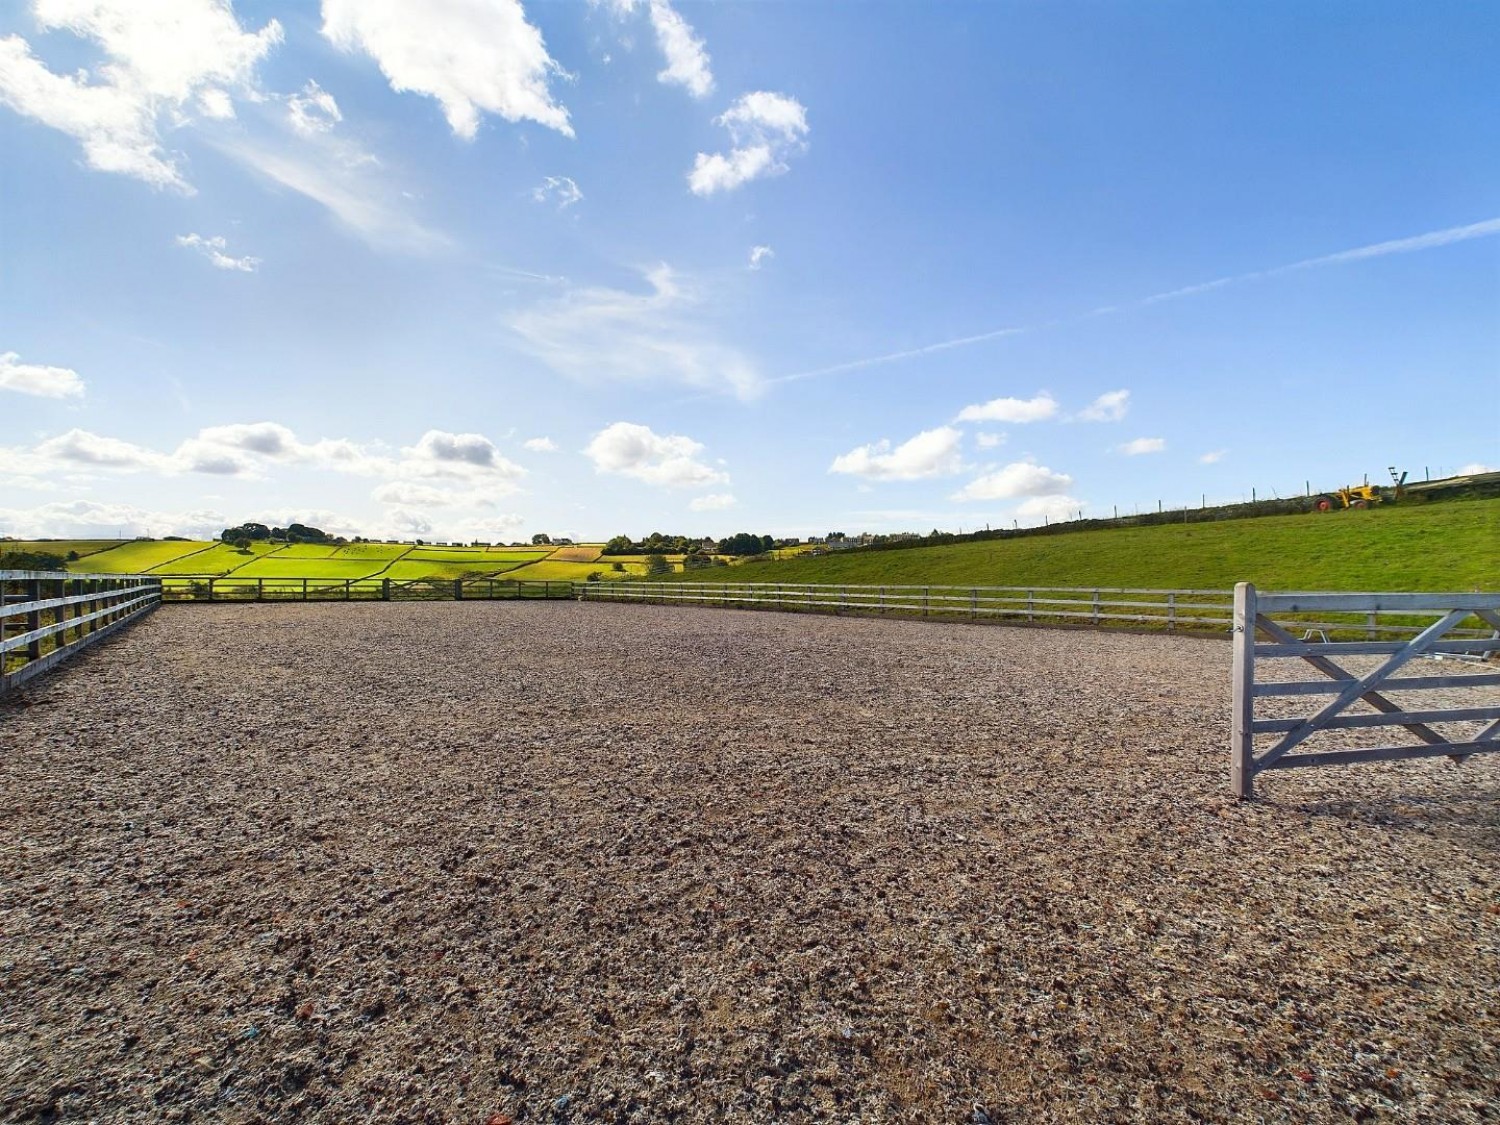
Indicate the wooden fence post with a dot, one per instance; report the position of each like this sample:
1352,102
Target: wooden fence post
1241,733
1171,613
458,589
385,589
34,619
1096,609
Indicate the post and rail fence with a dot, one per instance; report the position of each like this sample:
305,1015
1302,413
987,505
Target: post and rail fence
48,616
1360,676
204,589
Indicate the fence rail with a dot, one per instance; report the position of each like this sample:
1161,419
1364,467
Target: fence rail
1459,628
358,589
48,616
1170,609
1386,622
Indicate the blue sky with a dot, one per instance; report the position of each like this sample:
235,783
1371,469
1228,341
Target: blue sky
473,269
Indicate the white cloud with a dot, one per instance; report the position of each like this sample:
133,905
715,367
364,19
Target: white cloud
1142,445
213,249
83,448
38,379
1108,407
713,502
687,61
313,111
1019,478
88,519
766,128
557,189
597,334
1013,410
467,456
473,56
759,255
1050,508
1213,457
989,441
165,59
631,450
932,453
540,445
248,449
344,179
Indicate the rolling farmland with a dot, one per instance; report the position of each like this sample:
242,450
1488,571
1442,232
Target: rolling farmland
331,562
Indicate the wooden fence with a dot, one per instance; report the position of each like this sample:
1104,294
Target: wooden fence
357,589
1166,609
47,616
1460,630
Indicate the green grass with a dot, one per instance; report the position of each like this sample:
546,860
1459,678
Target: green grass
1447,547
216,560
277,566
61,547
136,557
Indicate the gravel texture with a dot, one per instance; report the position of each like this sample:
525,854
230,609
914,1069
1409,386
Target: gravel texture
548,862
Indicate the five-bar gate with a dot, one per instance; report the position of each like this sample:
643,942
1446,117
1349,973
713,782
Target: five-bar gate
1359,677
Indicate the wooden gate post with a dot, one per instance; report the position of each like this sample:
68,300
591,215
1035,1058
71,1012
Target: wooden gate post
1241,732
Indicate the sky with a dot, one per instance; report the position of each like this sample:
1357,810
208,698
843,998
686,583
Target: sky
477,269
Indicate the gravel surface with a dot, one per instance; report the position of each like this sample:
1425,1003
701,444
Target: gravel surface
548,862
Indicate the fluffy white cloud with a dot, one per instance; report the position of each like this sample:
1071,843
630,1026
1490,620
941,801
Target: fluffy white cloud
1013,410
540,445
932,453
687,60
213,249
759,255
1019,478
38,379
1142,445
766,128
609,334
989,441
313,111
1213,457
166,58
473,56
1108,407
248,449
90,450
631,450
557,189
713,502
468,456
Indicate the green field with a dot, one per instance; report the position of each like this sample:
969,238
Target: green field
60,546
1448,547
137,557
217,560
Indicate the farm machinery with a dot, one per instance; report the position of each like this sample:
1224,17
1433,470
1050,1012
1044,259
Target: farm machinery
1364,495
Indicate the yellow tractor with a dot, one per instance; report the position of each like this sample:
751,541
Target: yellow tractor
1365,495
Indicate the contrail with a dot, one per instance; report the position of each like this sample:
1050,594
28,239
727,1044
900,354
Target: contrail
1377,250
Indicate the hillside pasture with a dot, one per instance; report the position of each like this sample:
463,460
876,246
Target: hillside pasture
278,565
577,554
138,556
267,865
216,560
84,547
1450,546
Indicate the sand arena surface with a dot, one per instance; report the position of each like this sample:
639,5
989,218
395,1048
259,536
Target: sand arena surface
483,862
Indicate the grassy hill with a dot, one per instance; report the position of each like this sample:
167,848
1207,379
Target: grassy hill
180,559
1452,546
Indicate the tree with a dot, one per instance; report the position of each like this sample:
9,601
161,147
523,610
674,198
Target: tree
657,565
617,566
541,539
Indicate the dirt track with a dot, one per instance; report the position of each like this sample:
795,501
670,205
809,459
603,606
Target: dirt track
552,862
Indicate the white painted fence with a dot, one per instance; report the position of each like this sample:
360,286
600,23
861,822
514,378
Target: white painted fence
47,616
1460,631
